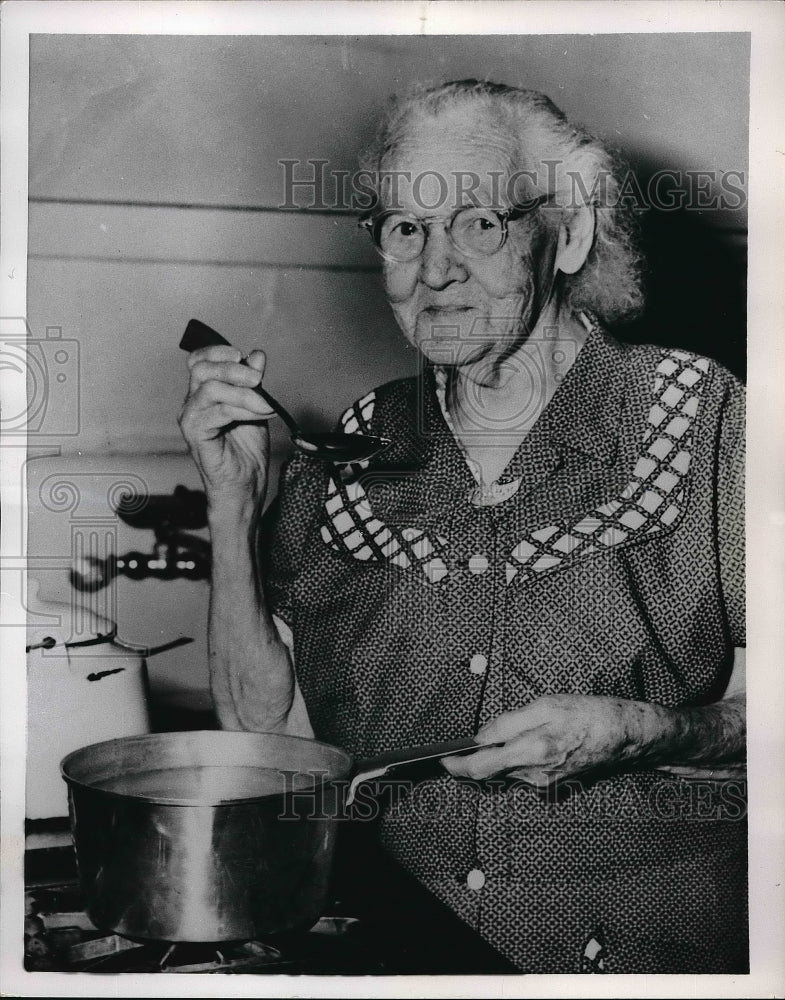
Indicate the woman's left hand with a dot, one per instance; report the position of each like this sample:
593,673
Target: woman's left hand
560,735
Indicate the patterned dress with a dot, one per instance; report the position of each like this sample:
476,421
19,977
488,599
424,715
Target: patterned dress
609,561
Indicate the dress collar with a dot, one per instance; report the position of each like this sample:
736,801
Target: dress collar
583,413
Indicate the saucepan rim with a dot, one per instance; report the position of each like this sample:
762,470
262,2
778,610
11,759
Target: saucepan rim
112,747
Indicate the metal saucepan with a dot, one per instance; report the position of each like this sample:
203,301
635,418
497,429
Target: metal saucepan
213,835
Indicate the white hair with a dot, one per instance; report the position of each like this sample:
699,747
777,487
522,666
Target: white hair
564,160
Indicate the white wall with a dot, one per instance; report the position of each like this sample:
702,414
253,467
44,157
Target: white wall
155,186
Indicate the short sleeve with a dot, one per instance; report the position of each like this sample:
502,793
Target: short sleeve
730,510
297,722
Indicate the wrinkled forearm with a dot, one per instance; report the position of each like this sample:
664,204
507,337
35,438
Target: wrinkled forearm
714,733
251,674
700,735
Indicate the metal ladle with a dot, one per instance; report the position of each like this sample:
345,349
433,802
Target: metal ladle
328,446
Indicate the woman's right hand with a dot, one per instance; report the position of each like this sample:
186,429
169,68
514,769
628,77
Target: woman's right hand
220,420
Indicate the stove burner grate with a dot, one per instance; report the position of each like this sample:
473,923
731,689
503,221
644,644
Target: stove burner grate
60,937
105,955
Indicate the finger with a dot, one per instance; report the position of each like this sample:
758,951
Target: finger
212,421
535,777
539,752
478,765
224,414
257,360
214,391
223,352
508,725
223,371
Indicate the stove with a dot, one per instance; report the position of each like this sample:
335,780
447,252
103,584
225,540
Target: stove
379,921
60,937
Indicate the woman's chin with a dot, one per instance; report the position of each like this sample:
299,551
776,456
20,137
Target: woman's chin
452,353
455,343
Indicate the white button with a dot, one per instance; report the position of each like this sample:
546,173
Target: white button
475,879
478,563
478,663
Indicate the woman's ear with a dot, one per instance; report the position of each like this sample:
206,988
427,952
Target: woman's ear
576,237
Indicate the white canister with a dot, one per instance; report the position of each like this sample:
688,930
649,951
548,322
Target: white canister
82,687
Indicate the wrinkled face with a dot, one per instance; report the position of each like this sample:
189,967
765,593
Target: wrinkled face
459,309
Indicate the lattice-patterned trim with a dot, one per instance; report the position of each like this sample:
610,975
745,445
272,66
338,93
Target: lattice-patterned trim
655,496
357,419
350,523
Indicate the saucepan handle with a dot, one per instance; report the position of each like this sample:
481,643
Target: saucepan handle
376,767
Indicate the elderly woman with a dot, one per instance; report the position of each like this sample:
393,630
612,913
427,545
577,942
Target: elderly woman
548,555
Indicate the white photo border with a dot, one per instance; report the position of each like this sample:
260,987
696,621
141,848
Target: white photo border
765,21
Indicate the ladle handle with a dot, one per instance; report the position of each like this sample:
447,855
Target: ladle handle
376,767
271,401
198,335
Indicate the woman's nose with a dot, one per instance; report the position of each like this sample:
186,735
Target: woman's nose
440,263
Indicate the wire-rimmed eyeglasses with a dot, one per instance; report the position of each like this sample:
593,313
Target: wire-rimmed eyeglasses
475,232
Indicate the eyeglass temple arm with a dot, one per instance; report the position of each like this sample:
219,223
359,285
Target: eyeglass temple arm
366,220
524,208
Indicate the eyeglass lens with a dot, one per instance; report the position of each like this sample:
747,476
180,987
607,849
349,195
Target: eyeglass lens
474,231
